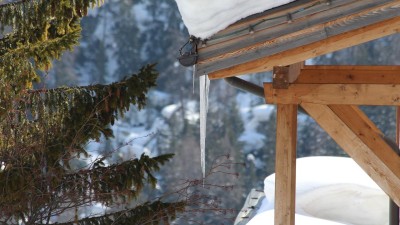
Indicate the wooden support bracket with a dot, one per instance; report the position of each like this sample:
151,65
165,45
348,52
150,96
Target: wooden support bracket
363,141
285,164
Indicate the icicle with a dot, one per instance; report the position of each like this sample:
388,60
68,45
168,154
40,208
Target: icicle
204,90
193,76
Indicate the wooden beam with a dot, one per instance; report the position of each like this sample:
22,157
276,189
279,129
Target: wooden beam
294,71
394,210
283,75
349,75
308,51
358,136
352,67
347,94
285,164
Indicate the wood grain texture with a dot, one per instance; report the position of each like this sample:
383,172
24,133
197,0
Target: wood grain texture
284,75
274,27
256,52
332,22
285,165
353,132
301,53
349,75
294,71
245,23
326,94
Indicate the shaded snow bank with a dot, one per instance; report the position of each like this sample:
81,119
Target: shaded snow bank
204,18
267,218
330,188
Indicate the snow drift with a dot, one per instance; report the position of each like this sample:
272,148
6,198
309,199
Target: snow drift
330,190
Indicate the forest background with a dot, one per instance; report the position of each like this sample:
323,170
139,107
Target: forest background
120,36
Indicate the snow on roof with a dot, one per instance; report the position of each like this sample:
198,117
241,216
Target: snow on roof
203,18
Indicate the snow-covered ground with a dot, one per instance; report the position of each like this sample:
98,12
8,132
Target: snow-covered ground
204,18
329,190
267,218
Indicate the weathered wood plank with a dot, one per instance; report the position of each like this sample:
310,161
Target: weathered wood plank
349,75
273,13
331,22
356,136
285,165
254,52
347,94
251,205
294,71
296,54
352,67
302,37
270,29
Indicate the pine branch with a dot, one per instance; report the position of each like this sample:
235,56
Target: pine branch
15,14
42,51
157,212
64,119
120,181
13,3
18,70
117,183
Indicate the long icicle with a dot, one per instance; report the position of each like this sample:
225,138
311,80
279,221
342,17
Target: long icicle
204,90
193,76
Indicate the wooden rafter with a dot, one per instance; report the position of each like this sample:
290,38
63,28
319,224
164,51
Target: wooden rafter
315,31
308,51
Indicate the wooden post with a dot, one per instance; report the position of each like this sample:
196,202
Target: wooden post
285,164
393,207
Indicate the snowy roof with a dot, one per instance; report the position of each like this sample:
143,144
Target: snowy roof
292,32
204,18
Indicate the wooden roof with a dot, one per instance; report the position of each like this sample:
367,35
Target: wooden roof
295,32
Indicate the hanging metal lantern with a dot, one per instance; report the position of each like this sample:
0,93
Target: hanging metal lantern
189,57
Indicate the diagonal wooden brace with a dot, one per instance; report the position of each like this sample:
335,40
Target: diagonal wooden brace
362,140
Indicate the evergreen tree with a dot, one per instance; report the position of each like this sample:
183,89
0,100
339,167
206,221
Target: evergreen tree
43,130
126,39
93,57
162,35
